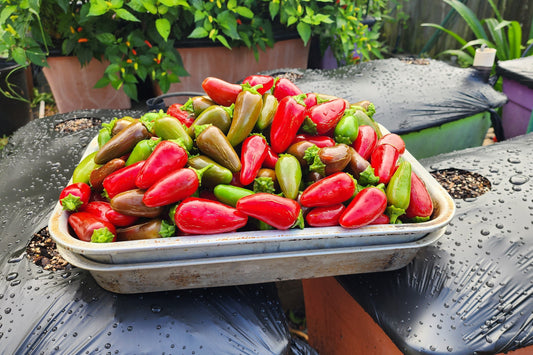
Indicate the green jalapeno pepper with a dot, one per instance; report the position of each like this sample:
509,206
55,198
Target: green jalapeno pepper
168,127
230,194
82,172
364,120
216,115
122,143
142,150
398,191
212,142
289,175
347,129
245,115
270,106
214,176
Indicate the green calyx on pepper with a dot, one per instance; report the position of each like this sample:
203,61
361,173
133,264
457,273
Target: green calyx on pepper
313,160
102,235
106,132
264,184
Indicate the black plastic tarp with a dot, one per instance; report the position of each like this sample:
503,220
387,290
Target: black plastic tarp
470,293
410,95
66,312
520,70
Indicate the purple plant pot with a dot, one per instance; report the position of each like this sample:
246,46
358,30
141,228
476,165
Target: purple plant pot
517,111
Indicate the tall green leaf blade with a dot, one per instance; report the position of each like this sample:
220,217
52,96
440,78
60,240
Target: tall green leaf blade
498,36
470,17
458,38
467,59
515,40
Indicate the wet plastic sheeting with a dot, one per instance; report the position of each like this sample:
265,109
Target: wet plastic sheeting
44,312
408,96
471,292
519,70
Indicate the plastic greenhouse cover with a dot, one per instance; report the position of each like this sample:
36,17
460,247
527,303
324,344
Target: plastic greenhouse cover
409,95
520,70
470,293
45,312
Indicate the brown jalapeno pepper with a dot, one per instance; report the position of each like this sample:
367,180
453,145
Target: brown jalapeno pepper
98,175
153,229
216,115
213,142
122,143
131,203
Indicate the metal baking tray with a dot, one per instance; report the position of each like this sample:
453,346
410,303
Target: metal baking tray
251,268
232,245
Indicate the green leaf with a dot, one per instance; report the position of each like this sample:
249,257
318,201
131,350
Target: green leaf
112,68
98,8
6,13
198,32
103,82
106,38
469,16
273,8
458,38
163,27
224,41
131,91
150,6
515,40
304,30
495,31
19,56
291,20
244,12
466,59
126,15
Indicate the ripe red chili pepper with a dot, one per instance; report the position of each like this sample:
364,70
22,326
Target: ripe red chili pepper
331,190
325,216
253,153
90,228
420,204
284,87
324,117
366,206
183,116
383,219
103,210
173,187
75,196
166,158
319,141
122,180
366,141
266,80
202,216
270,159
383,160
395,140
279,212
221,91
287,120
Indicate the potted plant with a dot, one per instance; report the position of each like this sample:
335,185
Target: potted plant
139,40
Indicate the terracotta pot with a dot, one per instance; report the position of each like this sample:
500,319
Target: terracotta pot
73,85
236,64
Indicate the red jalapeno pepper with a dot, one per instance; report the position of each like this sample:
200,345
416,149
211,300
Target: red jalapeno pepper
221,91
90,228
279,212
286,122
283,87
191,217
175,110
173,187
253,153
393,139
266,82
383,160
331,190
103,210
383,219
270,159
366,141
420,203
122,180
319,141
75,196
323,118
325,216
366,206
166,157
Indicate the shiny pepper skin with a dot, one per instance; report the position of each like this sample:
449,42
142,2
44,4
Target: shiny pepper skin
202,216
383,160
331,190
287,120
367,205
253,153
278,212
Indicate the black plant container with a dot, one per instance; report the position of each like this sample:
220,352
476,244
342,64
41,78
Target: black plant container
14,113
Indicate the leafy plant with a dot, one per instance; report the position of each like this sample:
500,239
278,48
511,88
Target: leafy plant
505,36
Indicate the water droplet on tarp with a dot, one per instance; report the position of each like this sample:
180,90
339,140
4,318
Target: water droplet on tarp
156,308
514,160
11,276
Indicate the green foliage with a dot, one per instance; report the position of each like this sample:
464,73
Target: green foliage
139,37
505,36
3,141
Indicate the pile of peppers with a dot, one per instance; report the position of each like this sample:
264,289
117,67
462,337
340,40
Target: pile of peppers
259,155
